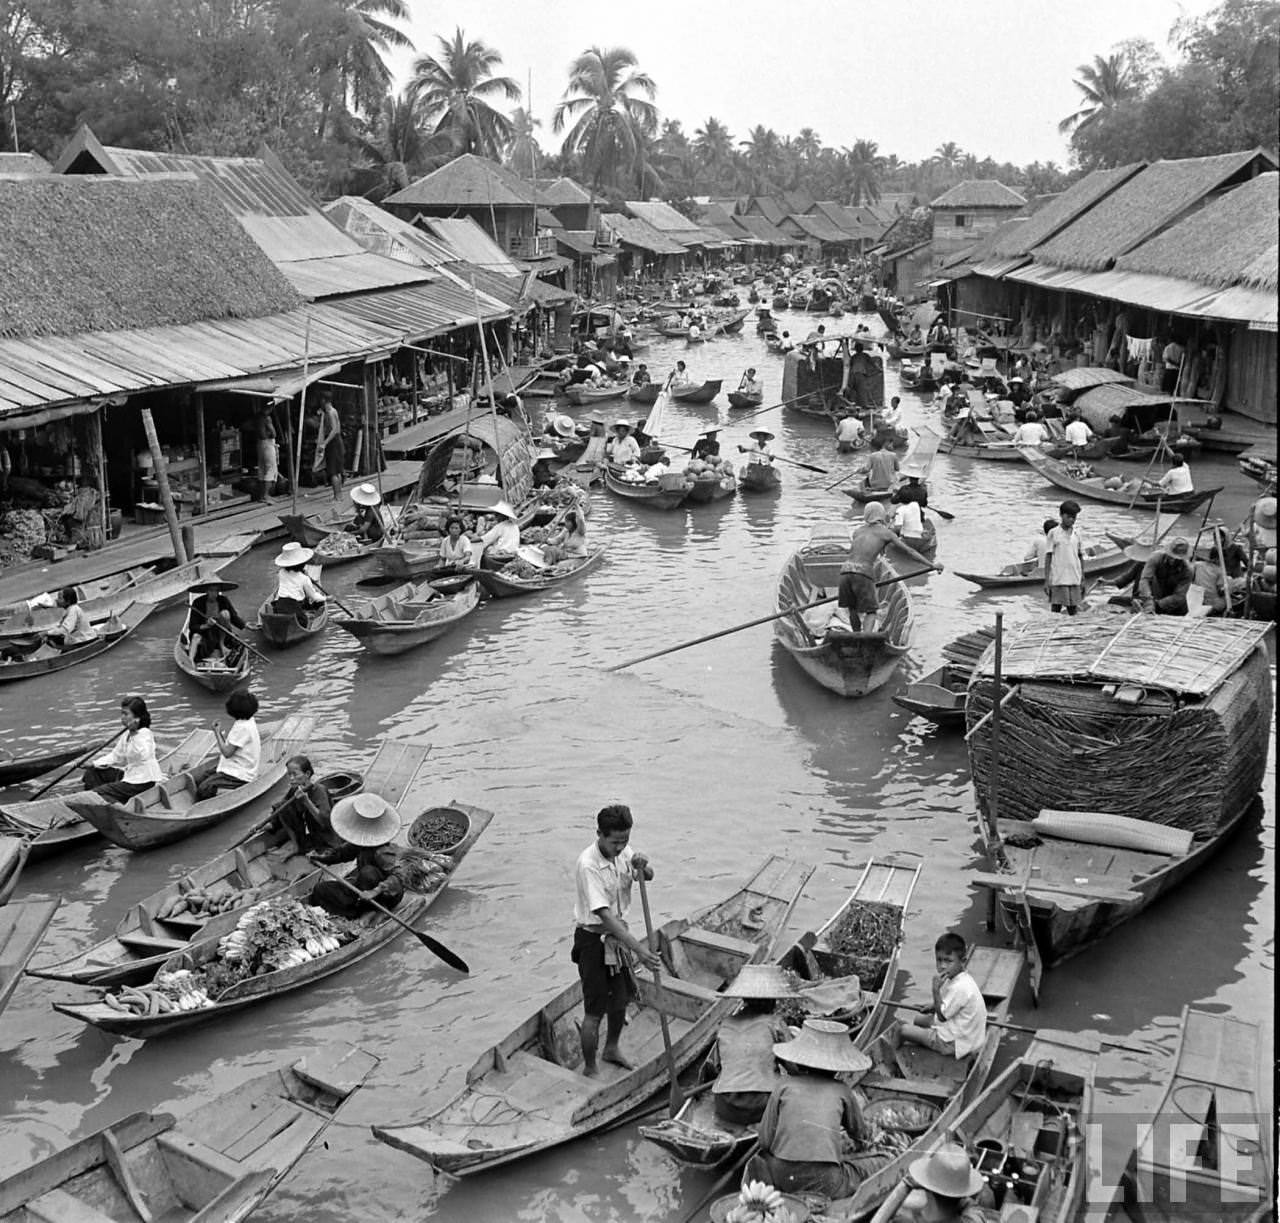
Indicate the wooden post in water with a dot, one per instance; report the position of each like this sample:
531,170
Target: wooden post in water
202,455
994,850
100,462
302,412
162,481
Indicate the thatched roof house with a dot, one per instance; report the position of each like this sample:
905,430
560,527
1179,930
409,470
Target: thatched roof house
23,163
468,182
675,225
634,232
764,230
979,193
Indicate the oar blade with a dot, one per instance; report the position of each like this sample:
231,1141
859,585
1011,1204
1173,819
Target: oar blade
442,952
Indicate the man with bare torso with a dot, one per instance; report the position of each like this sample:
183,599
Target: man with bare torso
858,595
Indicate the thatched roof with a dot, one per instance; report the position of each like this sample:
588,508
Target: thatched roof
1063,208
816,226
1144,205
1230,241
765,230
767,207
23,163
468,182
82,254
673,224
634,232
979,193
566,191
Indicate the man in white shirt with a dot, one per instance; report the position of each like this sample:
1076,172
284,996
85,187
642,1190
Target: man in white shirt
959,1011
850,434
502,538
1078,434
1177,479
75,627
622,448
602,944
1031,432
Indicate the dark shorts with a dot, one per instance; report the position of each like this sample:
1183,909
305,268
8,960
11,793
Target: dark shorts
335,458
604,992
858,593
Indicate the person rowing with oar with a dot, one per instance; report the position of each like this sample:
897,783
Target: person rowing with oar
858,572
210,619
760,452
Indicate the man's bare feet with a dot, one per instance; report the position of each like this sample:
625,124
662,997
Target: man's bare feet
616,1058
591,1071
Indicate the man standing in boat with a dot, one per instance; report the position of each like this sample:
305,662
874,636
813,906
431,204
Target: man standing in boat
602,945
858,573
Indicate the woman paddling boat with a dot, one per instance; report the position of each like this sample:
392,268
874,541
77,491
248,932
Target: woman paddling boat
130,766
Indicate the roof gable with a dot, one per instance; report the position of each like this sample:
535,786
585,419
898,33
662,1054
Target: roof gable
762,229
770,209
979,193
566,191
815,225
1064,208
639,233
468,182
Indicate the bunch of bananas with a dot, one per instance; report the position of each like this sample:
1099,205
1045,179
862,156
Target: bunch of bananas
759,1203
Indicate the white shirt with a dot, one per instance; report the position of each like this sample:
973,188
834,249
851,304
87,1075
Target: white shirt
136,755
909,520
1077,433
1038,550
1031,433
245,739
601,883
1065,551
624,450
752,386
850,429
459,553
761,454
503,536
295,584
1177,480
964,1014
75,626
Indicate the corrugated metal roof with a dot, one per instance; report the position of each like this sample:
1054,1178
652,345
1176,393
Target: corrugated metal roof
419,311
355,273
471,244
997,267
638,233
384,233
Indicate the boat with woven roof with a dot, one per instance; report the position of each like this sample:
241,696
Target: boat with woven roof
1131,749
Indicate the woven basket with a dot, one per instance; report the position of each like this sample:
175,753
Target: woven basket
418,832
340,785
893,1115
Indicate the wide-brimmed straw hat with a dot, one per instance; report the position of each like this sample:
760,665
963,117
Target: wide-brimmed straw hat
823,1044
947,1172
207,587
365,819
503,510
294,554
1181,546
563,425
622,424
1264,513
366,494
761,981
761,434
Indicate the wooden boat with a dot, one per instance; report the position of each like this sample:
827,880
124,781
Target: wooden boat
863,493
15,769
505,583
1200,692
217,675
938,697
849,664
580,393
288,628
39,658
936,1084
758,478
14,852
1061,475
739,401
708,488
338,548
22,926
408,616
376,932
697,394
1208,1153
1025,1132
49,825
216,1165
1100,561
674,333
534,1069
852,982
644,395
667,494
169,810
256,868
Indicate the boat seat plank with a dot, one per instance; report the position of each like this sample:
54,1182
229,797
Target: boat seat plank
58,1206
1218,1049
394,768
995,971
338,1070
702,937
264,1128
524,1062
1086,891
916,1087
197,1152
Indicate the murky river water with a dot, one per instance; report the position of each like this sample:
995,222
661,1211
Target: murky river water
725,752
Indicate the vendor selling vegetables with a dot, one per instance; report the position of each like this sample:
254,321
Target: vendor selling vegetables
367,824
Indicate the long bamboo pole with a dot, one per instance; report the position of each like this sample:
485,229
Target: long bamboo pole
302,410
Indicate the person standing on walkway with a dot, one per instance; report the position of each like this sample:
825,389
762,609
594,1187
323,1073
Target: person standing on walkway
330,453
268,451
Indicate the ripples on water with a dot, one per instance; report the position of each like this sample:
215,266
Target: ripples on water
725,752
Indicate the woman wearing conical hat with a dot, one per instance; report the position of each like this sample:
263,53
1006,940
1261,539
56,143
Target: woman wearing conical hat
744,1044
367,824
296,590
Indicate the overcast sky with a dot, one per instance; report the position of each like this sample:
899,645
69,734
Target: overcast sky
995,77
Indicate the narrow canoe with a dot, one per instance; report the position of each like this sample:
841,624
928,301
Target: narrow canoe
41,659
861,492
408,561
407,617
645,395
1025,1130
1208,1151
652,495
758,478
1099,561
49,824
169,810
851,981
216,1165
938,697
216,676
1003,452
849,664
713,488
22,926
288,628
582,392
503,584
256,868
1060,475
377,932
535,1069
15,769
332,551
697,394
738,401
14,852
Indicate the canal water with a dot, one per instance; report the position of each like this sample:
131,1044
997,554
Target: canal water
725,752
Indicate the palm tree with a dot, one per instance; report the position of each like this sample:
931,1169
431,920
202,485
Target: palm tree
674,154
398,147
763,157
948,155
346,46
863,162
524,156
610,120
808,145
1102,84
714,147
453,89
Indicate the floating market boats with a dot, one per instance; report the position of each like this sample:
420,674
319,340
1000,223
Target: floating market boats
758,478
214,1166
15,769
221,674
644,395
37,657
1208,1151
282,629
1100,561
847,970
696,394
850,664
708,486
275,969
535,1071
668,493
14,852
939,696
1073,479
49,825
524,575
408,616
208,900
1174,715
169,810
583,392
740,401
22,926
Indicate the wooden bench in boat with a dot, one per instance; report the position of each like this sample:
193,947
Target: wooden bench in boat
915,1087
58,1206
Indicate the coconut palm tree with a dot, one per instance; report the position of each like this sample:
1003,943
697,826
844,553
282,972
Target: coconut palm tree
763,154
863,166
1102,85
610,118
674,154
399,149
524,155
714,146
808,145
948,155
346,45
453,89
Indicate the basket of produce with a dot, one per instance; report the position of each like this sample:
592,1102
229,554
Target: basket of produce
902,1116
340,785
338,543
757,1202
451,584
439,830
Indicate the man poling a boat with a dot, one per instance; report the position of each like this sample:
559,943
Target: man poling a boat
858,594
603,947
959,1023
366,825
296,591
210,618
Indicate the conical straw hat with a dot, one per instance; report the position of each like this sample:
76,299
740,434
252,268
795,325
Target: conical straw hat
823,1044
761,981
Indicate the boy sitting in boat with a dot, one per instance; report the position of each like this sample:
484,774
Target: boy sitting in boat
959,1012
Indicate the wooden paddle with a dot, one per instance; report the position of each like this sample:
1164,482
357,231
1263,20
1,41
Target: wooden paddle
341,605
75,764
436,948
737,628
238,640
677,1096
1011,1027
941,513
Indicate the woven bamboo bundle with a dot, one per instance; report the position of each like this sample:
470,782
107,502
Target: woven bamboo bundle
1070,745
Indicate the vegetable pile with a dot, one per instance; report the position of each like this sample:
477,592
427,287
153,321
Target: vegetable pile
200,902
866,929
170,991
281,933
338,543
422,871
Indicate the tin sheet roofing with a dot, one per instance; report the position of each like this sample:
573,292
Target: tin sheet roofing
640,234
471,244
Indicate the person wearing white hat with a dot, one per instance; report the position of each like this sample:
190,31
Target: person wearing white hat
501,539
296,591
367,824
944,1180
811,1114
760,452
744,1044
367,525
622,449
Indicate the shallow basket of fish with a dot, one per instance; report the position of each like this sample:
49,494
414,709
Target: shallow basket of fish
901,1116
439,830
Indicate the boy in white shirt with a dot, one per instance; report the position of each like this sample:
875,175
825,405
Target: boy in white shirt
959,1011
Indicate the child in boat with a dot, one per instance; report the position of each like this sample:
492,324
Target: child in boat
239,750
130,767
945,1183
568,541
1064,562
1038,549
959,1024
744,1044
